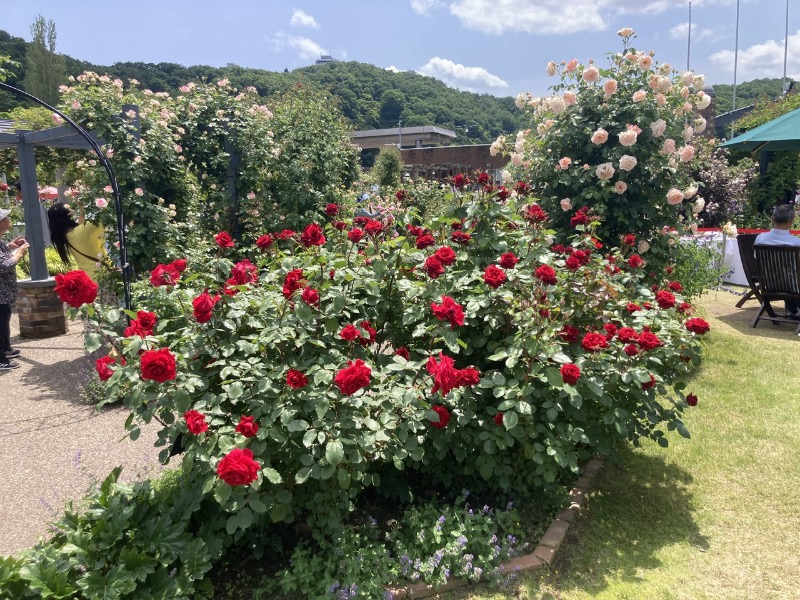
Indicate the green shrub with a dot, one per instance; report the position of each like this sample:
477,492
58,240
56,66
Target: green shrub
52,259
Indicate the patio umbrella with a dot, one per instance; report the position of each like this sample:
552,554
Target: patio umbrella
782,133
48,193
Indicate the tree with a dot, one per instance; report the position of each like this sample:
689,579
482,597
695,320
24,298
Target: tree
44,69
388,166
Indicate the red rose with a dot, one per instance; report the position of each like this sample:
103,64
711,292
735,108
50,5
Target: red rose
631,350
494,276
147,319
164,275
449,310
76,288
223,240
460,237
647,385
446,255
594,342
238,467
292,282
415,231
483,178
371,333
691,400
498,418
572,263
570,373
247,426
522,188
648,341
627,334
310,296
433,267
508,260
286,234
339,225
203,305
424,241
675,286
373,227
243,272
103,366
179,264
312,236
569,334
264,242
445,375
296,379
546,274
535,214
610,330
698,326
468,377
632,308
332,209
135,328
353,377
195,422
635,261
503,193
158,365
400,195
579,218
355,235
629,239
349,332
665,299
444,416
684,307
460,180
403,351
582,256
647,305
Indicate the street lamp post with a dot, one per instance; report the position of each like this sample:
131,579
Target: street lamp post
400,133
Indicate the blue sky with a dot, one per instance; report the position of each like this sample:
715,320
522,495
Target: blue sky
499,47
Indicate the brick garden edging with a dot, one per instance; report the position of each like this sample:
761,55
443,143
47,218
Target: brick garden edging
541,556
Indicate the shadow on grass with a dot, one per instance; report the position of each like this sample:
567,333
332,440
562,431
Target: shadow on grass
636,509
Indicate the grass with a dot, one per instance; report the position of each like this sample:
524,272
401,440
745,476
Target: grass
713,517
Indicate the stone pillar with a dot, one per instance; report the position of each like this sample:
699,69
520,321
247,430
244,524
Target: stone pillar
41,311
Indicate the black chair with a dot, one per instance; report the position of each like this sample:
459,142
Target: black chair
745,242
778,269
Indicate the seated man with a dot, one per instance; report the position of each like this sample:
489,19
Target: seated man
779,235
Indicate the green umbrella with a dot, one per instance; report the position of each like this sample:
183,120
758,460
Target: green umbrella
782,133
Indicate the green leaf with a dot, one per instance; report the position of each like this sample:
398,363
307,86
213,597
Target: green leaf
302,475
510,419
297,425
344,479
554,377
257,505
92,342
273,476
334,452
235,390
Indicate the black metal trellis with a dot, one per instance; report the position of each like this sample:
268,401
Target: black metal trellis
24,142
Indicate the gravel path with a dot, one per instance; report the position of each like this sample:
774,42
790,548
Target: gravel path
52,444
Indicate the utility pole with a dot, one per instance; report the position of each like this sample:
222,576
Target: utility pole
689,43
785,47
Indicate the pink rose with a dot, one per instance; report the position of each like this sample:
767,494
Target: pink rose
657,127
686,153
668,147
570,98
599,137
604,171
674,196
610,87
564,163
620,187
591,74
628,137
639,96
627,162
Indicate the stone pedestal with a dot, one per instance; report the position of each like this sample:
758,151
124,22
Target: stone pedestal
41,311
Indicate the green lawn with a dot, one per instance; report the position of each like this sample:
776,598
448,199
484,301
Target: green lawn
717,516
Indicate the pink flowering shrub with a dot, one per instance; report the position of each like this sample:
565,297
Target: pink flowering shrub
512,381
616,139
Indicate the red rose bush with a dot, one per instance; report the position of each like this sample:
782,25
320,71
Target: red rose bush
297,374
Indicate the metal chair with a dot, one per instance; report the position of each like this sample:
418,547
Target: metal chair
778,269
745,242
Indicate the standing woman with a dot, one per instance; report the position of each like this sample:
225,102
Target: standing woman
10,254
81,243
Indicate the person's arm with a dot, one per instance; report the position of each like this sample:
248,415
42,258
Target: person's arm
8,262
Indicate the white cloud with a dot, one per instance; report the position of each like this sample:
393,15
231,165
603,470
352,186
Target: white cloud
762,60
425,7
303,19
680,32
496,17
459,76
306,48
530,16
393,69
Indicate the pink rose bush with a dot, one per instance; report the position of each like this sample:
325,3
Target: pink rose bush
635,109
302,371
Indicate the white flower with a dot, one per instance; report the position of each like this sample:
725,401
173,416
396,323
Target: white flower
605,171
591,74
643,246
698,205
551,68
639,96
520,100
674,196
699,125
658,127
517,159
730,230
557,105
599,137
703,100
688,133
627,162
628,137
566,204
690,192
625,32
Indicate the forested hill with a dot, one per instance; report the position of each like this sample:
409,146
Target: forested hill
371,97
